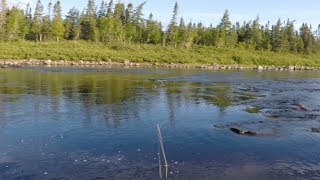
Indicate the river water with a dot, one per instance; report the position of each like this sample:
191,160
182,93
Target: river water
100,123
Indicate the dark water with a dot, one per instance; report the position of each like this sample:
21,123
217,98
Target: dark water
93,123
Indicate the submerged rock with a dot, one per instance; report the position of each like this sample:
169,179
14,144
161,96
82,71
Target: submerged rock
218,126
241,132
302,107
272,116
317,130
253,110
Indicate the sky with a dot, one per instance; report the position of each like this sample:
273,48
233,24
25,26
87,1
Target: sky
211,11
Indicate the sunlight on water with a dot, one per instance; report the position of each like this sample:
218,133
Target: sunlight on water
89,123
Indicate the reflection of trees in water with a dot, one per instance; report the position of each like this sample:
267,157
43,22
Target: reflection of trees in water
118,97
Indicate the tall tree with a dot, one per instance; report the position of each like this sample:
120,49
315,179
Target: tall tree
3,19
291,35
307,37
118,20
57,22
47,24
110,9
37,24
16,24
72,24
89,30
224,31
139,22
276,37
102,11
172,32
153,31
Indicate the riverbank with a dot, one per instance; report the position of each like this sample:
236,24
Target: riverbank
81,53
127,63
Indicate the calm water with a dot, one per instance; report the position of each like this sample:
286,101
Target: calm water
94,123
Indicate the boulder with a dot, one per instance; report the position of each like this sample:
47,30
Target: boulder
317,130
302,107
260,68
241,132
47,62
126,62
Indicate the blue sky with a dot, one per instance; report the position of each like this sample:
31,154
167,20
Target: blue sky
210,11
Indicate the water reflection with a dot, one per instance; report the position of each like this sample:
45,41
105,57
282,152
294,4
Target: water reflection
119,93
102,122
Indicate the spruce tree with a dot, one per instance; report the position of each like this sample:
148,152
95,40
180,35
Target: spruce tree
16,24
172,32
110,9
102,11
46,28
57,22
37,24
89,30
73,18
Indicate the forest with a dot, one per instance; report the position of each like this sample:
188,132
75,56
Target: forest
115,23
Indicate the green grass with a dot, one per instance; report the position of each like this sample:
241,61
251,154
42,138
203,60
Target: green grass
69,50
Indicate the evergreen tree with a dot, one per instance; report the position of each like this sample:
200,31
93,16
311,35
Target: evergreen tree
139,23
72,25
276,37
118,20
200,29
224,30
102,11
28,16
300,45
182,32
16,25
256,34
266,43
46,28
153,31
190,35
129,13
225,22
3,19
291,35
130,26
89,30
37,24
109,9
307,37
172,32
57,23
105,26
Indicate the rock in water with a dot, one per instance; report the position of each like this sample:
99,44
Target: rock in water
47,62
251,133
302,107
238,131
260,68
315,130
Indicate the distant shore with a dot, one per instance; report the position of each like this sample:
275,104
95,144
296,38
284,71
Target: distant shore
128,63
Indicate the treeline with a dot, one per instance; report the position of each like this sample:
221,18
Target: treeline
124,23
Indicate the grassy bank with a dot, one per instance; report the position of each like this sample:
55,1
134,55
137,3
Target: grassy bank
68,50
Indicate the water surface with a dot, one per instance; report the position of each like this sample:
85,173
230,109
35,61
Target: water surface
100,123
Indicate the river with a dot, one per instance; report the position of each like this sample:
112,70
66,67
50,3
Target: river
100,123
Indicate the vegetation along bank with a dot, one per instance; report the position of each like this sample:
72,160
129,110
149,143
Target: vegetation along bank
118,32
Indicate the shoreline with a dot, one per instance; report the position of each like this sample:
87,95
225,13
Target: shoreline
127,63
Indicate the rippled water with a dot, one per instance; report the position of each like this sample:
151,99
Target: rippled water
100,123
